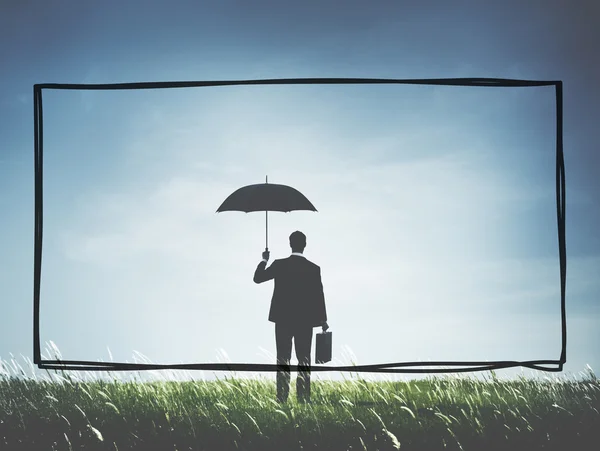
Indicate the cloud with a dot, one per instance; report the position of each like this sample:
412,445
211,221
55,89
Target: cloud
399,242
432,205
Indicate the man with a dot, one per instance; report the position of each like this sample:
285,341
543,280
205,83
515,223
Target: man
298,305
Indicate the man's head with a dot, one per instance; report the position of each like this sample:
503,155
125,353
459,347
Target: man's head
297,241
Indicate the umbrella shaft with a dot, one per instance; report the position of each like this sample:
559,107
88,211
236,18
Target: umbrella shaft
266,222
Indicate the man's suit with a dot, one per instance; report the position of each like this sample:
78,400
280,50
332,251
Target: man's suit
297,305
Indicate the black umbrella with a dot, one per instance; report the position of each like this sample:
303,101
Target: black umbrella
266,197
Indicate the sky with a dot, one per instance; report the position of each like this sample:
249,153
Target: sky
436,226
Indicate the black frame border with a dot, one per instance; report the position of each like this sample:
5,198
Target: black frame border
400,367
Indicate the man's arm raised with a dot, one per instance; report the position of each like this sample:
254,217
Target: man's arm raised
262,273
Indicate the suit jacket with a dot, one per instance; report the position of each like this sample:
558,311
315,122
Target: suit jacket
298,294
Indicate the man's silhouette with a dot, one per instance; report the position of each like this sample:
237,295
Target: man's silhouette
298,305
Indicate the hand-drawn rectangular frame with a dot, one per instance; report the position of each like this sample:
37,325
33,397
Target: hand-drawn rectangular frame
400,367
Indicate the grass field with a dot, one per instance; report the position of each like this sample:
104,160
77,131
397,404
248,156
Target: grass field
64,412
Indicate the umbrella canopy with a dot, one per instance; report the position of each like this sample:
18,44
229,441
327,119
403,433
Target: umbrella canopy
266,197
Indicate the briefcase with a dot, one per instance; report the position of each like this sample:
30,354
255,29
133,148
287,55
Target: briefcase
323,347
